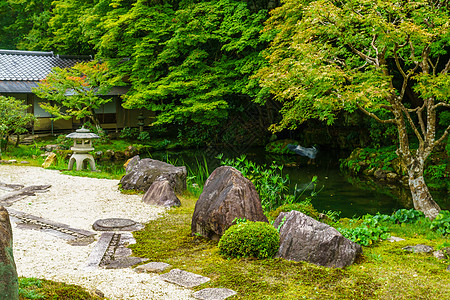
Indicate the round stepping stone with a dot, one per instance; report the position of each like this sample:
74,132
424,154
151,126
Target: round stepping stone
116,224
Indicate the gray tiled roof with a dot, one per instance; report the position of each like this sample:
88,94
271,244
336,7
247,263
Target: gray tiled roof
32,65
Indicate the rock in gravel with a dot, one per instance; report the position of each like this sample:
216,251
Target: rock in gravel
161,193
141,173
50,160
303,238
9,288
227,195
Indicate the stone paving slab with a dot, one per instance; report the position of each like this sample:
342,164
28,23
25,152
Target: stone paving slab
10,187
16,195
184,278
59,229
99,250
124,262
153,267
214,294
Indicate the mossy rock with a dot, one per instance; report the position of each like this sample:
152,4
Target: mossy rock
279,147
250,239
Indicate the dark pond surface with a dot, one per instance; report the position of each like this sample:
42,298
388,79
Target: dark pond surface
339,192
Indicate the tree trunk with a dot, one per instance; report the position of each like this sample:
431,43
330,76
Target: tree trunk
422,199
17,141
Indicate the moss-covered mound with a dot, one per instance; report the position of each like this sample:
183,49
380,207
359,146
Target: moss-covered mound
250,239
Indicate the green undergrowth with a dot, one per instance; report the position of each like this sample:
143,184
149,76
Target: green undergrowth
33,288
384,271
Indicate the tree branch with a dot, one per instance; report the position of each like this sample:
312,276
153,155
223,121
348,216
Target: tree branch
420,116
374,116
446,68
411,122
441,104
446,132
366,58
397,62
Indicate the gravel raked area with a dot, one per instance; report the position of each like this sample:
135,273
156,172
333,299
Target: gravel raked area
79,202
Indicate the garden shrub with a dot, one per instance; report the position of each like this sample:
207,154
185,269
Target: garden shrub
442,222
250,239
305,207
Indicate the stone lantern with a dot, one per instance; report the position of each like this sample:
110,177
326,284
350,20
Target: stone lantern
141,122
82,145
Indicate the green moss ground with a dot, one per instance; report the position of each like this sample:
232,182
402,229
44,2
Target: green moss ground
32,288
384,271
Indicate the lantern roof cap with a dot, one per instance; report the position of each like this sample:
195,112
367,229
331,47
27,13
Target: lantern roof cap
82,133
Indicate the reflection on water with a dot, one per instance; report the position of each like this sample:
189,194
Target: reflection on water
340,193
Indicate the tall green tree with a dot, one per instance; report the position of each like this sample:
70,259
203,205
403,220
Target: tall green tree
384,55
185,59
77,91
14,119
23,23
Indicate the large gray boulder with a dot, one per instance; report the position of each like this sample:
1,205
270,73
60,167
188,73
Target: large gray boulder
160,193
227,195
9,288
303,238
141,173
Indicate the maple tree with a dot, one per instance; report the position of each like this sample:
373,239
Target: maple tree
385,58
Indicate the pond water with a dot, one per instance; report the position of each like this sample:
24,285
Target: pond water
338,192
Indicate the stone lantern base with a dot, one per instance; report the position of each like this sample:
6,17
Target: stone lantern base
81,160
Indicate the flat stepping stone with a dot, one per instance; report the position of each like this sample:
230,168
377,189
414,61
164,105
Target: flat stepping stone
419,248
125,262
153,266
16,195
64,231
214,294
97,254
393,239
116,224
183,278
10,187
110,252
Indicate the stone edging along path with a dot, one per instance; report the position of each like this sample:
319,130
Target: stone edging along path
108,258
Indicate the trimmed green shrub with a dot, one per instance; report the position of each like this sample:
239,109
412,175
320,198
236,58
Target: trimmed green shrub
442,222
250,239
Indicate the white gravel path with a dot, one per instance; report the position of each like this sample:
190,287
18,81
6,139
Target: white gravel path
78,202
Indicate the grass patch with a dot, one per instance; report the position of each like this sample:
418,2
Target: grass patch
384,271
32,288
